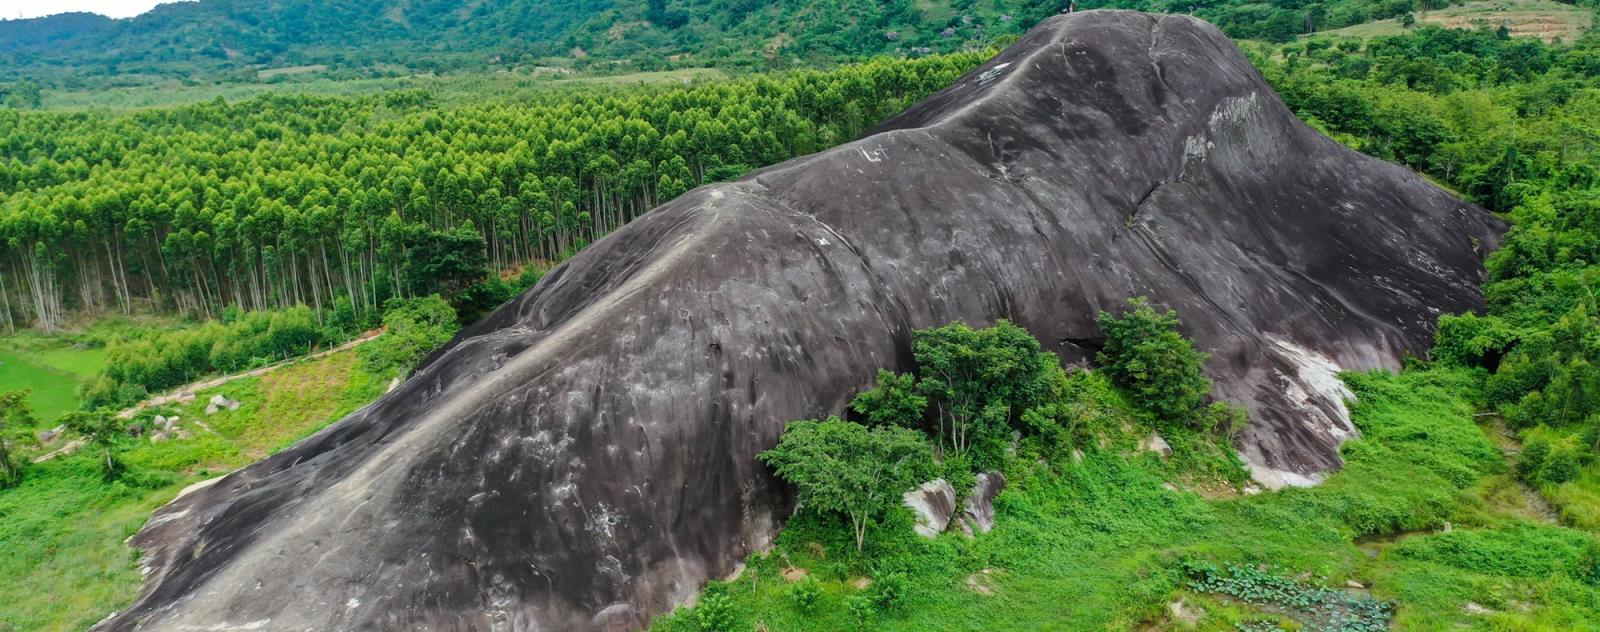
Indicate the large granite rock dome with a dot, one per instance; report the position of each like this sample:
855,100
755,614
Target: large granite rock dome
584,458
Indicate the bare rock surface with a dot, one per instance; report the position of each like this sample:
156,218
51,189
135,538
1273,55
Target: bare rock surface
933,503
977,513
584,458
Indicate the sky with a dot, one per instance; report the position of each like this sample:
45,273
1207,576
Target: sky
11,9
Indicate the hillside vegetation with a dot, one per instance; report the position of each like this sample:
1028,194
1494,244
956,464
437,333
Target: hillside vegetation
284,223
234,40
63,527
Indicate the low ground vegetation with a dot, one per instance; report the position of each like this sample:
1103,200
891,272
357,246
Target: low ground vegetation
64,524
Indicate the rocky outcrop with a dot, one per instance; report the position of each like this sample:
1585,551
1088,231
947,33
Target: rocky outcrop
1155,444
977,513
933,503
584,458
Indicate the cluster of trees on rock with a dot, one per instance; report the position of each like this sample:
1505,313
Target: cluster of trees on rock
976,391
284,200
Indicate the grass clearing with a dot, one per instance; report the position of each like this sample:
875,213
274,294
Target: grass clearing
51,391
62,531
1545,19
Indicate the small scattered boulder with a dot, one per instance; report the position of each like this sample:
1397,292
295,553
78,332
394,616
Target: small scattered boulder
1355,585
977,516
860,583
46,436
220,402
1475,609
933,503
793,573
158,436
982,582
1182,613
1154,443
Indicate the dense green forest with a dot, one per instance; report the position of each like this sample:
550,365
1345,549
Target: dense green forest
283,201
232,40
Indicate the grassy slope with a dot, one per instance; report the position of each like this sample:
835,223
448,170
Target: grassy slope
51,367
1096,545
1544,19
62,530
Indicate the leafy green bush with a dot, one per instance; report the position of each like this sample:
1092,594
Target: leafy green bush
1472,340
860,609
889,590
1560,467
715,611
413,328
1586,566
15,415
1531,461
806,593
894,401
1145,355
846,468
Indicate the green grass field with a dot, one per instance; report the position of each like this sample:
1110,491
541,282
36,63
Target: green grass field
52,372
1545,19
62,531
1102,544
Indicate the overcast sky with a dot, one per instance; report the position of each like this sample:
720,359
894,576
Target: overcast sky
11,9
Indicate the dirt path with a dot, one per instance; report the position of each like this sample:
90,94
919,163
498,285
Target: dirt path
187,391
1535,507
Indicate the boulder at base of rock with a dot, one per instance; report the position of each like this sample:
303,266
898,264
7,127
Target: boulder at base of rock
978,514
933,503
1154,443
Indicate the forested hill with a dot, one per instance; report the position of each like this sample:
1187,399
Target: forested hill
238,39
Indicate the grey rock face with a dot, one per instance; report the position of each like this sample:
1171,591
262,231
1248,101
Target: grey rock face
977,513
584,458
1155,443
933,503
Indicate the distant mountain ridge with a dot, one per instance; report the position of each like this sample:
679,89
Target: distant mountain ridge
232,39
213,38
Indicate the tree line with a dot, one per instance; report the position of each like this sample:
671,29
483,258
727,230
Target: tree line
295,200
